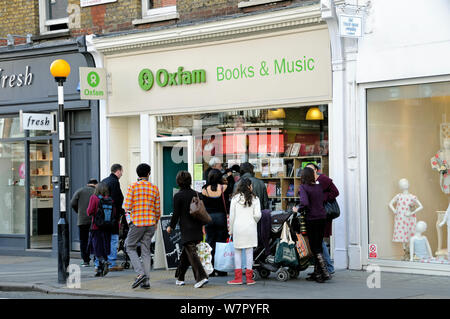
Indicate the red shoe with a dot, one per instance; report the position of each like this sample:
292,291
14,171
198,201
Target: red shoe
249,277
237,278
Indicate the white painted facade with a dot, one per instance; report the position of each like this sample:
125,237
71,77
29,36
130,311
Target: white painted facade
404,42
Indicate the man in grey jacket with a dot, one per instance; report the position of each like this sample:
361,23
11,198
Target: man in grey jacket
80,203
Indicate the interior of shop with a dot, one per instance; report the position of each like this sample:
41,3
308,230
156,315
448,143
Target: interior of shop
407,131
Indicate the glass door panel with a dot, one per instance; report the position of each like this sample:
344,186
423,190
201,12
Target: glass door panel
12,188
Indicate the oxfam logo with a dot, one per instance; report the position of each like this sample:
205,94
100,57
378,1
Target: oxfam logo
165,78
146,79
93,79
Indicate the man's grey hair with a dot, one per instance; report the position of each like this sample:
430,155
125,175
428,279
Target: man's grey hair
213,161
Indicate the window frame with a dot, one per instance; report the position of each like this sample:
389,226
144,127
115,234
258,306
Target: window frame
45,24
150,15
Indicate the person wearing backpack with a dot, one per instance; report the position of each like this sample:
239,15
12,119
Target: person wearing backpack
104,216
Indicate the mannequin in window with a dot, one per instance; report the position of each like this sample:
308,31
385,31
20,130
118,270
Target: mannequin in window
447,221
405,216
440,163
419,245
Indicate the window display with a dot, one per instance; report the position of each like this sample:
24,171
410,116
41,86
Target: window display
278,142
406,126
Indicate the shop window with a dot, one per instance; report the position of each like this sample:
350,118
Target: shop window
10,127
53,16
12,188
408,153
158,10
279,143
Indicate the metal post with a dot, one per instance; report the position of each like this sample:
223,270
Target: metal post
63,226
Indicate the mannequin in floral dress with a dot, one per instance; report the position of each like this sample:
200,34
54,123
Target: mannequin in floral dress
405,216
440,162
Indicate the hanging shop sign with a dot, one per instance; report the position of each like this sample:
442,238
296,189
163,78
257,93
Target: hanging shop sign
350,26
37,121
92,83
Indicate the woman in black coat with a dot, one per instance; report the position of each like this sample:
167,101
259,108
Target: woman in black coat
191,231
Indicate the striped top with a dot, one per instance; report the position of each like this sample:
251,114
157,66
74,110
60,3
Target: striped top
142,201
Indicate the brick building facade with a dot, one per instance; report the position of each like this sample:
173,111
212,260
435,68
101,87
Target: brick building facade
26,17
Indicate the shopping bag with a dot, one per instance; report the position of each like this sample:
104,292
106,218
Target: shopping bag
302,246
285,254
204,253
224,257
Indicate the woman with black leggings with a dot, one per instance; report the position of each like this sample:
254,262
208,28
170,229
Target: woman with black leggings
311,199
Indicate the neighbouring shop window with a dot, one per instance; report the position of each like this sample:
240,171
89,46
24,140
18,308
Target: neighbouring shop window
278,142
10,127
408,131
12,188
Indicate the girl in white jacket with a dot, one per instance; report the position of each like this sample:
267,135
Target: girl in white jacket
245,212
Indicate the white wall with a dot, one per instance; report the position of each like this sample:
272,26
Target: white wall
409,38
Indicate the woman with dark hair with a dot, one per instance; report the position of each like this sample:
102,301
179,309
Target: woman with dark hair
215,196
245,212
311,199
331,192
100,238
191,231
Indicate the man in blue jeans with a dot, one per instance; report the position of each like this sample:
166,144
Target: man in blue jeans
116,194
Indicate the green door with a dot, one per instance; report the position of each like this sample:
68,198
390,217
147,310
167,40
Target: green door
170,171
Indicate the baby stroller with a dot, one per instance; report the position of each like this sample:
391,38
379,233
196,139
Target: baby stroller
123,232
263,265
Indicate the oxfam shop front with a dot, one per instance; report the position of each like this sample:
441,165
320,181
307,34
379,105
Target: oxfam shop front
262,98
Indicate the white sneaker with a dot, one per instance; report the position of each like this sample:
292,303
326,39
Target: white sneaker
179,283
201,283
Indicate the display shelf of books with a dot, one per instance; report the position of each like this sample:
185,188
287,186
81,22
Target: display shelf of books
282,178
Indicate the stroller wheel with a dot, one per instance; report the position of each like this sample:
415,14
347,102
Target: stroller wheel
264,273
293,273
126,265
282,275
256,275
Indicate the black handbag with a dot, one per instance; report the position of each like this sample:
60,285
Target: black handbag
332,209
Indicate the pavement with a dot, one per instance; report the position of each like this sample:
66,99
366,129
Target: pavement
38,273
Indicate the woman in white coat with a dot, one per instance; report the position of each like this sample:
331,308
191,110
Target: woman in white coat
245,212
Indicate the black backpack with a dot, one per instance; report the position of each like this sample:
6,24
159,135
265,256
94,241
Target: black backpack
104,218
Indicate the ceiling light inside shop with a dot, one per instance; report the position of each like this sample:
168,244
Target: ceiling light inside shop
275,114
314,114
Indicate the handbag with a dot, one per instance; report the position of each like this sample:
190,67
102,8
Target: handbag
332,209
285,253
204,253
302,246
198,211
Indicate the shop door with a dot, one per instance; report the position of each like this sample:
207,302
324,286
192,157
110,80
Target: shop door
81,171
172,156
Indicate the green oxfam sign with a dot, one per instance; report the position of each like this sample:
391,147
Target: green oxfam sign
164,78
